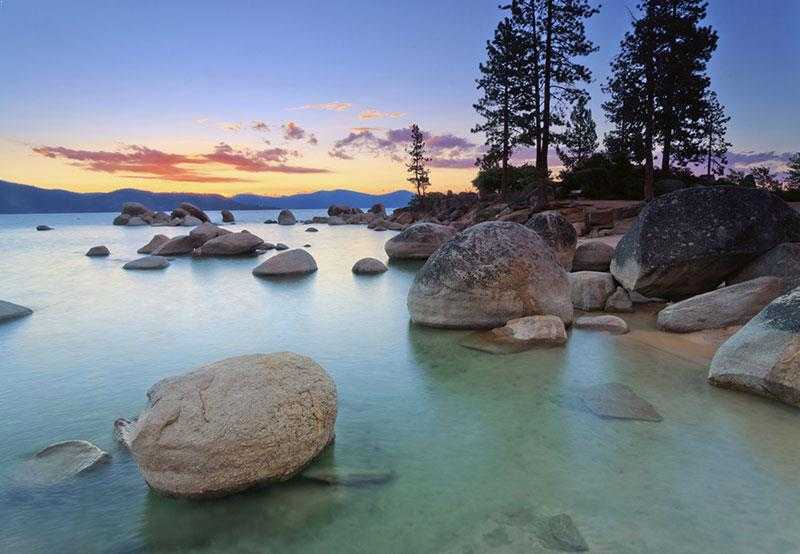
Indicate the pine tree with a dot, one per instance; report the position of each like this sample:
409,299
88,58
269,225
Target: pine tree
714,127
793,178
765,179
503,100
417,160
579,139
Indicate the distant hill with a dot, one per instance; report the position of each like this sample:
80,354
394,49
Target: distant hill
16,198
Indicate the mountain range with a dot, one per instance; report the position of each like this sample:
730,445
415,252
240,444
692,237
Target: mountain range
16,198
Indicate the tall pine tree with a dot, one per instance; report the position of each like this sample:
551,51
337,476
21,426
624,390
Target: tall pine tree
579,138
714,125
417,160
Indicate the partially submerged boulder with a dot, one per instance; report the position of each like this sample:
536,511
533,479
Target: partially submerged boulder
194,211
9,311
688,242
61,461
148,262
176,246
345,476
558,233
227,216
589,290
340,210
782,261
286,217
487,275
733,305
763,357
611,323
593,255
43,228
154,244
98,252
519,335
205,232
369,266
418,241
290,262
231,244
233,425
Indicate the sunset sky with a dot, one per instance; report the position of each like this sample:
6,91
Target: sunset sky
284,97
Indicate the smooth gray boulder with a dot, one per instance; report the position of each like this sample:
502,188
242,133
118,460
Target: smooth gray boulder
611,323
148,262
619,302
369,266
231,244
688,242
189,221
290,262
227,216
487,275
205,232
98,252
519,335
195,212
589,290
733,305
176,246
336,220
418,241
61,461
286,217
234,424
782,261
121,219
9,311
763,357
618,401
593,255
136,221
154,244
557,232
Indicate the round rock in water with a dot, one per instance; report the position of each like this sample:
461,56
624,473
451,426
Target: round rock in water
281,246
286,217
62,460
176,246
98,252
418,241
231,244
148,262
559,233
153,245
291,262
43,228
234,424
487,275
369,266
227,216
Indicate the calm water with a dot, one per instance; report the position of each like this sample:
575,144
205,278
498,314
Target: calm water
483,447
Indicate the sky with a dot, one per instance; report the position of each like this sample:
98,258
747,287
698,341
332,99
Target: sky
284,97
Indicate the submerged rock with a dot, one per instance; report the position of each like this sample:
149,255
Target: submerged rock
418,241
733,305
687,242
593,256
62,460
782,261
154,244
176,246
148,262
369,266
763,357
561,533
234,424
98,252
9,311
231,244
291,262
558,233
519,335
589,290
610,323
286,217
618,401
43,228
487,275
349,477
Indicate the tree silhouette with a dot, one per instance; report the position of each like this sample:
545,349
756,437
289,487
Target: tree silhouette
579,139
417,160
714,125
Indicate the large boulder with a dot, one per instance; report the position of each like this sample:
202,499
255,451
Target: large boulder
9,311
194,211
589,290
782,261
286,217
147,262
487,275
233,425
153,245
134,209
176,246
558,233
620,301
593,255
733,305
227,216
418,241
205,232
763,357
290,262
231,244
688,242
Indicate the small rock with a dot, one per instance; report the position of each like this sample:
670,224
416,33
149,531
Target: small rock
43,228
9,311
610,323
148,262
618,401
312,230
281,246
619,302
369,266
560,533
291,262
271,221
154,244
98,251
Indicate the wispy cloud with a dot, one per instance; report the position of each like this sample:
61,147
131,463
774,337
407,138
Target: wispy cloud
292,131
327,106
371,113
259,126
233,127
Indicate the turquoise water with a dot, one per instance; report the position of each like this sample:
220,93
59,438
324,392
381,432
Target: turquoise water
483,448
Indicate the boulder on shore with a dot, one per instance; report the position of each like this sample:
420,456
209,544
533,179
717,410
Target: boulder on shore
286,217
558,233
147,262
418,241
589,290
763,357
153,245
733,305
518,335
176,246
593,255
369,266
782,261
231,244
233,425
487,275
290,262
688,242
9,311
227,216
611,323
98,252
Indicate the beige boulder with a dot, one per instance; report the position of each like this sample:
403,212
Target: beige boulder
589,290
593,255
519,334
418,241
289,262
154,244
610,323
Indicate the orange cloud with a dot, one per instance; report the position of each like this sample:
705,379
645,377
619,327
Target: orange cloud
327,106
375,114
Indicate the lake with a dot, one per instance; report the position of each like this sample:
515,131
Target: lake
483,448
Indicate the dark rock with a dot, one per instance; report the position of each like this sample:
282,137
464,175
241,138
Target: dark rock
312,230
9,311
782,261
281,246
291,262
43,228
558,233
178,213
688,242
176,246
148,262
340,210
286,217
205,232
98,252
593,255
227,216
369,266
194,211
595,219
153,245
378,209
618,401
121,219
134,209
231,244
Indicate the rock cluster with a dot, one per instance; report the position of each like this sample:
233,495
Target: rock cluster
135,214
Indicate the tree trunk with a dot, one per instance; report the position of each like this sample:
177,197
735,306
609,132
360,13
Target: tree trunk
710,134
504,175
548,62
537,92
649,128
